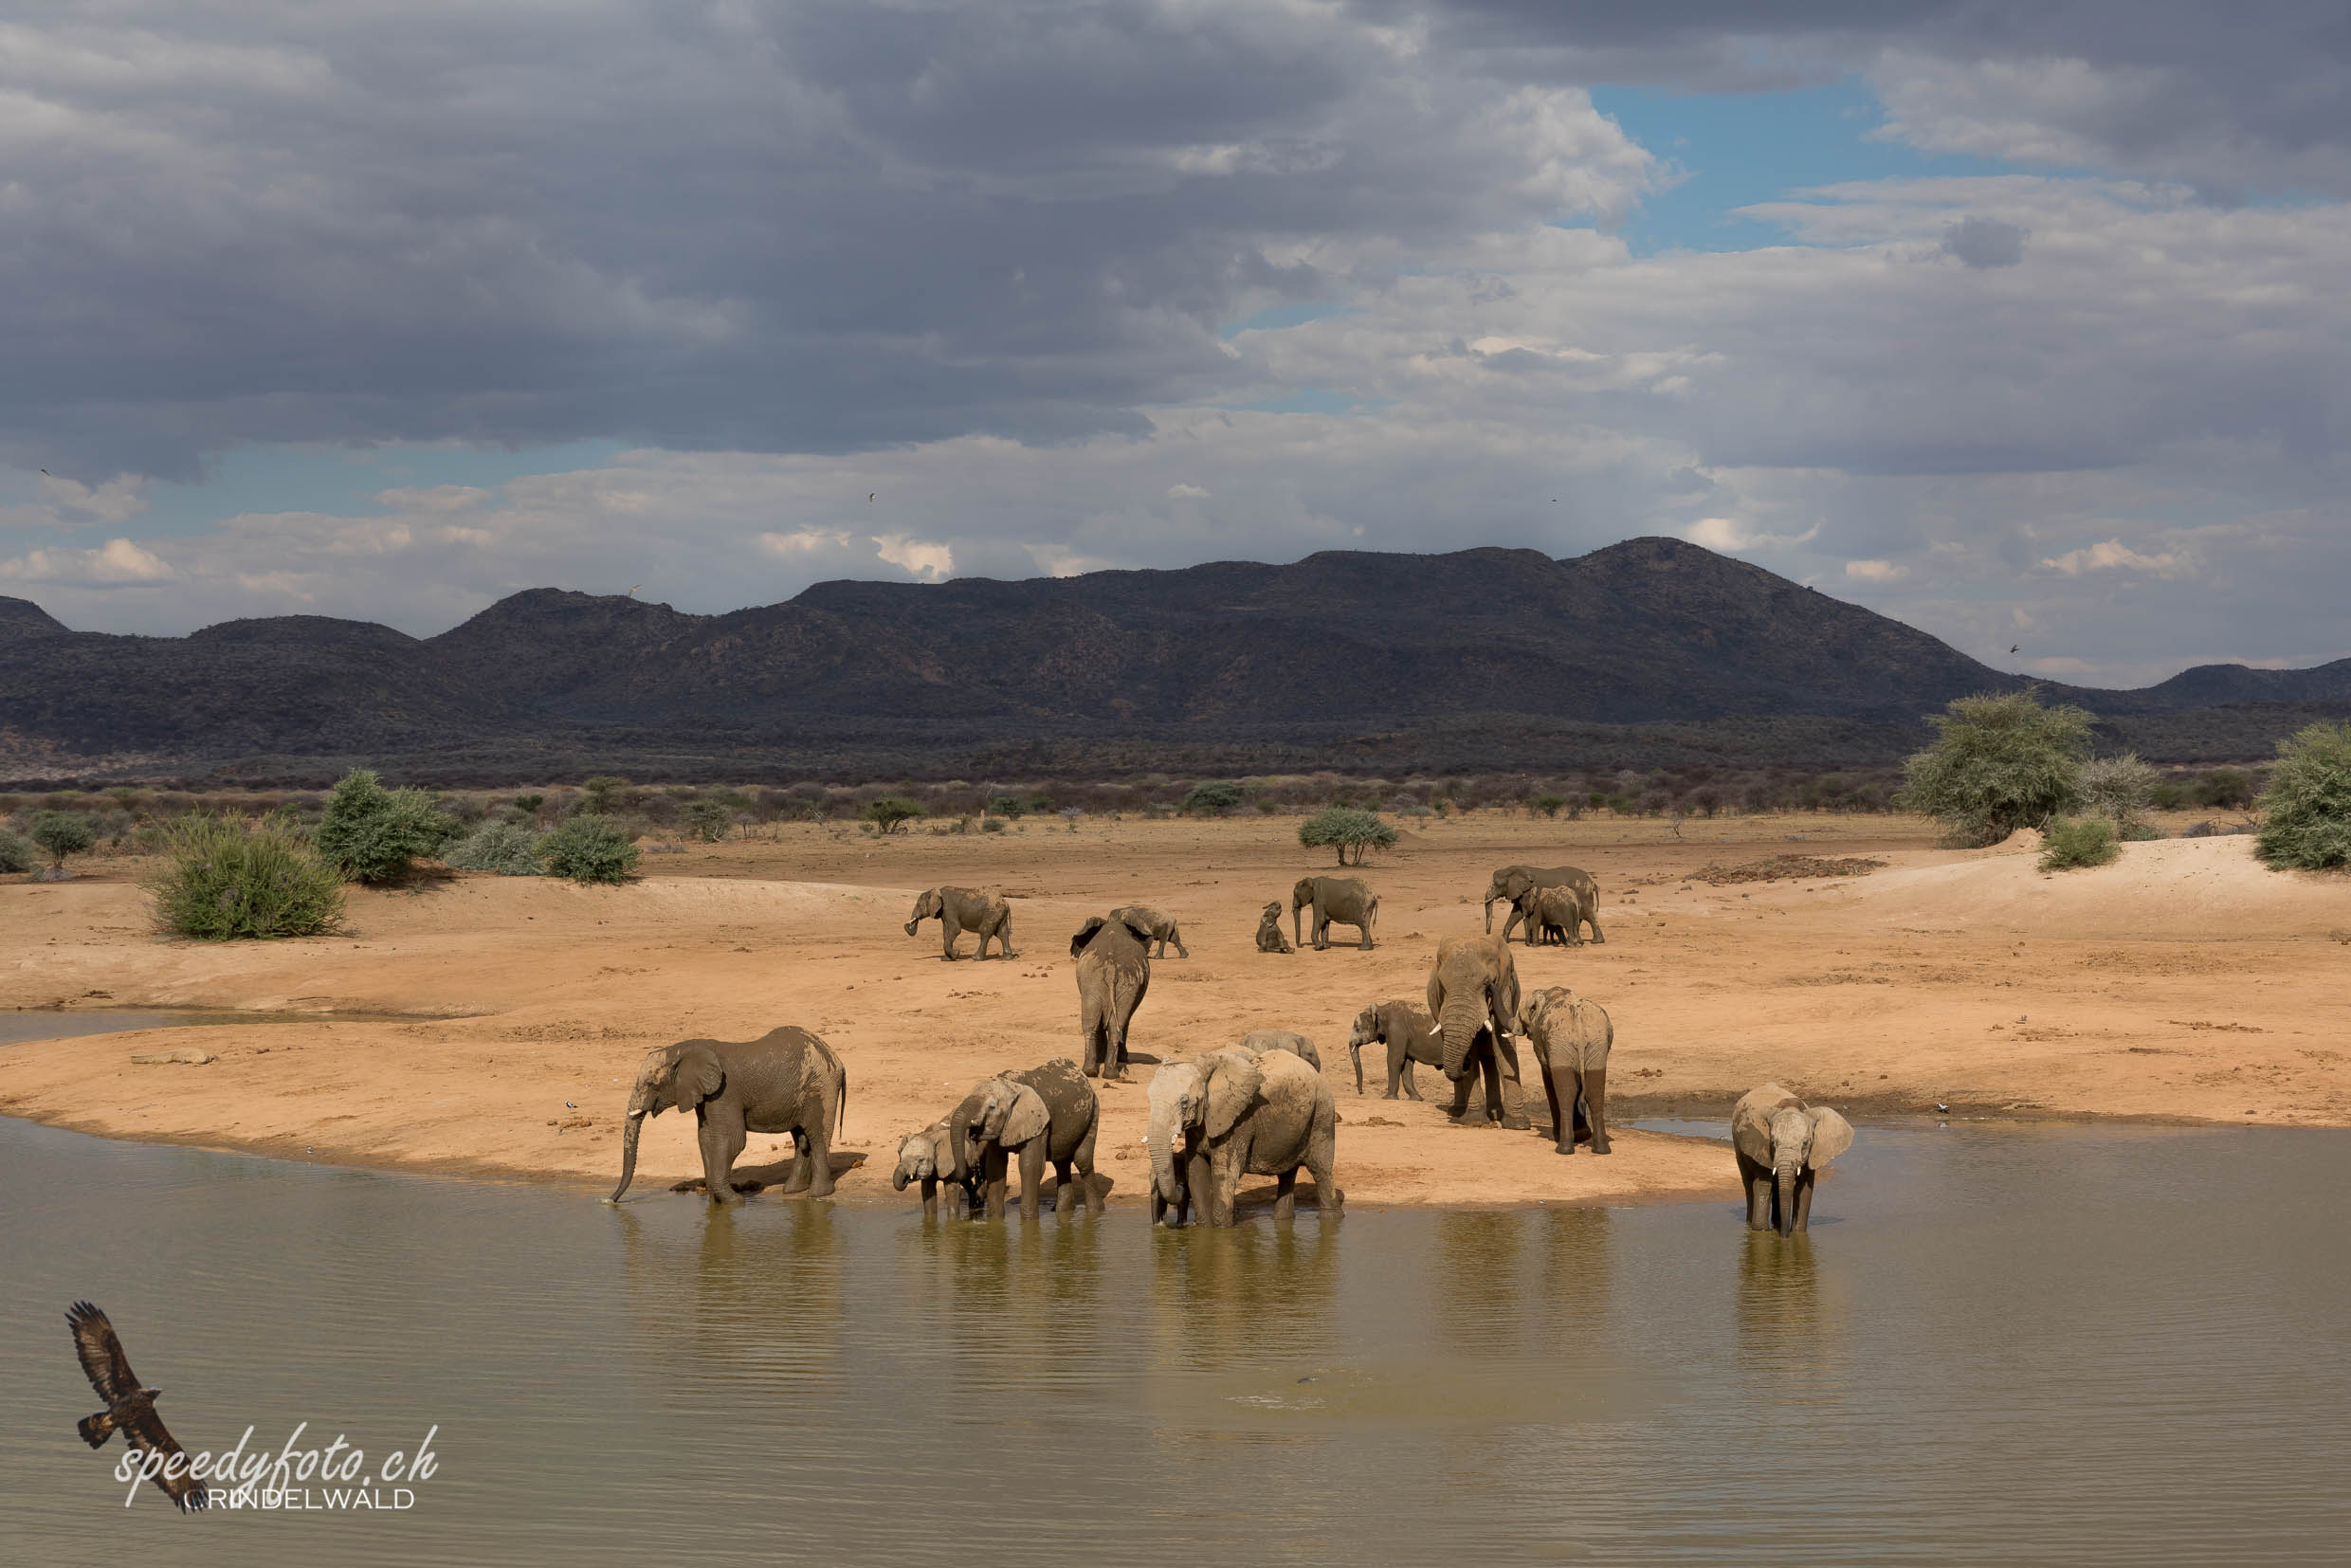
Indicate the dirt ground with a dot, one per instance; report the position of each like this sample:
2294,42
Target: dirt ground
491,1025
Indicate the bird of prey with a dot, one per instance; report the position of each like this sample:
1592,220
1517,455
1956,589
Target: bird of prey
2011,647
130,1405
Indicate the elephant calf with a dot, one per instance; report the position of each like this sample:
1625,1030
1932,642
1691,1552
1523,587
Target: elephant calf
1409,1034
1232,1113
1571,1037
1554,915
935,1158
1781,1144
1262,1040
1047,1114
961,909
1158,922
787,1081
1340,901
1270,937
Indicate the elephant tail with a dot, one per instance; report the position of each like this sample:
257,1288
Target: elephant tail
841,1102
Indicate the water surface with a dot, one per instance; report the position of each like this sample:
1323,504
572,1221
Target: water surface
2034,1344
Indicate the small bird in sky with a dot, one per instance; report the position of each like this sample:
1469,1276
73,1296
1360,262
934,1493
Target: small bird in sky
632,588
869,495
2011,647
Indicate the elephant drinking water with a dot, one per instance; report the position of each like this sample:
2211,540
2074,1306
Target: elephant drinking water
1043,1115
787,1081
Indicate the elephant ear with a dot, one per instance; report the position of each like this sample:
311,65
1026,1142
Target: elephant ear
1085,934
1751,1132
1027,1120
1832,1135
698,1076
1137,926
1234,1080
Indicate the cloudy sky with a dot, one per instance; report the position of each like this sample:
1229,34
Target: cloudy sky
2023,322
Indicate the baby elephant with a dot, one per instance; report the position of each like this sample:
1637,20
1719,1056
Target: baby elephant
1158,922
1044,1114
1555,915
1571,1036
934,1157
1781,1144
1262,1040
961,909
1409,1034
1270,937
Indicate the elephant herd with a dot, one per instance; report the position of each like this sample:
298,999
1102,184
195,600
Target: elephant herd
1256,1106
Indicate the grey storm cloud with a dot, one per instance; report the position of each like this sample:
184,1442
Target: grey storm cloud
1985,241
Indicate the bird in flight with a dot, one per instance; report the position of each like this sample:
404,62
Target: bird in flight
2011,647
130,1406
869,495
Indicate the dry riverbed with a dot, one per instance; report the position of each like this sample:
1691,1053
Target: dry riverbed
491,1025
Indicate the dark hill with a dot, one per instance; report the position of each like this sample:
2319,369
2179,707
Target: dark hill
1479,657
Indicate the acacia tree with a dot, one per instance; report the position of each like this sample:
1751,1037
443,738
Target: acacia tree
2001,761
2307,810
1354,833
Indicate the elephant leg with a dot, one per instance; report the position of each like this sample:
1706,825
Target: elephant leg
1322,1146
816,1148
1032,1179
1285,1196
1181,950
1562,1117
1756,1180
1461,1086
1595,1106
1089,1196
1158,1206
1593,915
720,1144
1224,1190
1065,1195
798,1179
992,1182
1089,1030
1199,1204
930,1197
1514,1118
1804,1198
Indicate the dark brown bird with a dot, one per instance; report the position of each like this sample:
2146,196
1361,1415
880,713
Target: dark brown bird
130,1405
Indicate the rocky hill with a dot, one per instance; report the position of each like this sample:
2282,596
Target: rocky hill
1649,650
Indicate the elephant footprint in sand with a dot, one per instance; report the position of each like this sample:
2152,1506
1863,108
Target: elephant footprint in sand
787,1081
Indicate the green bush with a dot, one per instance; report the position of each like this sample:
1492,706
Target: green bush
224,878
374,835
2002,762
2168,796
589,848
707,820
2231,789
62,833
603,792
2076,842
1210,799
991,824
506,847
2120,789
529,804
16,852
1352,833
2306,814
891,813
1546,805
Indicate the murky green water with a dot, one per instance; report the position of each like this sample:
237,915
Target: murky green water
2029,1345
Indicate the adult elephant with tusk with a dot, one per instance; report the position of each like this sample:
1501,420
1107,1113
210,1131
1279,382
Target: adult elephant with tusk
1045,1115
1473,997
1230,1113
1511,883
787,1081
1781,1144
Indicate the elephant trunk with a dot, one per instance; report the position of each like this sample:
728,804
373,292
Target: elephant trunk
1163,1180
1355,1049
629,1152
1784,1186
1463,1019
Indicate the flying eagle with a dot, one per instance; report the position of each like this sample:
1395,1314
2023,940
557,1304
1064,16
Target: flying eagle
130,1405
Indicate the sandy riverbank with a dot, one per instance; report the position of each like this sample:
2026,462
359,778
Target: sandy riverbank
2183,982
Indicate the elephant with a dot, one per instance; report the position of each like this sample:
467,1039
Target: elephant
1510,883
1113,972
1230,1113
1571,1036
961,909
1158,922
1044,1114
1473,995
1262,1040
1552,914
1781,1144
1270,937
1342,900
786,1081
1409,1034
933,1156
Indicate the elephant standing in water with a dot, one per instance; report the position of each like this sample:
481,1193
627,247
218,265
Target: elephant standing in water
935,1157
961,909
1409,1034
1044,1114
1113,972
1158,922
1230,1113
1511,883
1345,901
1571,1037
787,1081
1270,937
1781,1144
1473,995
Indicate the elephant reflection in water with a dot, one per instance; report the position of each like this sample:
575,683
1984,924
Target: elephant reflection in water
999,1309
1248,1295
718,1299
1791,1318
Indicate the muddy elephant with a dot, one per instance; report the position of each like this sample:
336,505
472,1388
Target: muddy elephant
1571,1036
1262,1040
1230,1114
1047,1115
1409,1034
1158,922
935,1159
1510,883
961,909
1270,937
787,1081
1343,901
1781,1144
1552,914
1114,972
1473,995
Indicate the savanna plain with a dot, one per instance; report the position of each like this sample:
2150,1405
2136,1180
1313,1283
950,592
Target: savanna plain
487,1026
